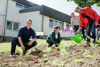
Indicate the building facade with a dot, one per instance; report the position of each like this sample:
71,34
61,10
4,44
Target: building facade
14,13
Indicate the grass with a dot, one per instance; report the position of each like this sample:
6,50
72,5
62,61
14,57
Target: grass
6,46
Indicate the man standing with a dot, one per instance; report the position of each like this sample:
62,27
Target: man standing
75,22
23,37
93,19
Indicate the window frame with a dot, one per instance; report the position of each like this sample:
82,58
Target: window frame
62,25
22,6
67,25
12,25
52,23
57,22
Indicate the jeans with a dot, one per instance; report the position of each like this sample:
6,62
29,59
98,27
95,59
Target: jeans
76,27
91,28
15,42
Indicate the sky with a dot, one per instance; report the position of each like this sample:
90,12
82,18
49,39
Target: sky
62,5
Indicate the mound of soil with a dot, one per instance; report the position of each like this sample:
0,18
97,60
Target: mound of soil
53,58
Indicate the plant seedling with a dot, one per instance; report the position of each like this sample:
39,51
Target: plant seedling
44,56
96,45
48,50
90,57
78,60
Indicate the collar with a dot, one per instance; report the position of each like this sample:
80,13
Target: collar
27,29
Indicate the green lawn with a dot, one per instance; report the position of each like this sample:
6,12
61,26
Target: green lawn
6,46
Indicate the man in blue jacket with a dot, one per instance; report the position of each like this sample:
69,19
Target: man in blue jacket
23,37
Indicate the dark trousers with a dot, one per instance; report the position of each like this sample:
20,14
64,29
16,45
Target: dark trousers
99,21
15,42
50,43
83,31
76,27
91,28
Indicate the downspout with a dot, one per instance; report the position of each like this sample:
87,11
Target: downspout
42,30
5,21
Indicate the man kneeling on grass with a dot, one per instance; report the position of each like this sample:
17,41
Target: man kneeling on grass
22,39
54,37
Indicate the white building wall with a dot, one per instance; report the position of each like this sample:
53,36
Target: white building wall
2,6
47,30
15,16
1,24
12,15
35,17
2,14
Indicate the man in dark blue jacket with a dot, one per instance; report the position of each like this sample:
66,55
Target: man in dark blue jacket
23,37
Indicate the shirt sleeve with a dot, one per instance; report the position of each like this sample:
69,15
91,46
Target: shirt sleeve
94,14
72,23
33,34
52,38
20,32
81,20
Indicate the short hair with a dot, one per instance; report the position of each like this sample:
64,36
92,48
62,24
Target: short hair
72,13
77,8
29,20
57,26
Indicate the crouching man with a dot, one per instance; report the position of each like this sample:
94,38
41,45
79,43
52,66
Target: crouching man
54,37
23,37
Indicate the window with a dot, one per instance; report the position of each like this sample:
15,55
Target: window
9,25
67,26
15,26
53,23
21,6
56,23
12,26
50,23
61,25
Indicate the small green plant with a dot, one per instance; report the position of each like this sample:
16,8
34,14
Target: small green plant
59,63
96,45
45,56
90,57
78,60
90,38
63,52
48,50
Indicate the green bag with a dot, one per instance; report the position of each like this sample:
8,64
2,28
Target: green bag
77,37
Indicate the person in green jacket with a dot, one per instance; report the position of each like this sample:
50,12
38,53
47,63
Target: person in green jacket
54,37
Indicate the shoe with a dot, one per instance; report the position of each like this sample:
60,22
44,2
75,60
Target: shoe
49,45
96,42
88,45
12,53
24,52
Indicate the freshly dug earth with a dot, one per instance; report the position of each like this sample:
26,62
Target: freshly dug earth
53,58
